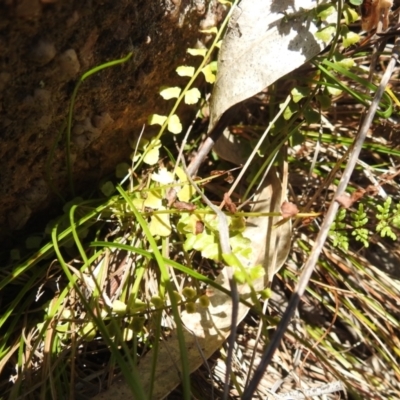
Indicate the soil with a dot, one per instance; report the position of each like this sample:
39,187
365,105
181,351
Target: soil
46,46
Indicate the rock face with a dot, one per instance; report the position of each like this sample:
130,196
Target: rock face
46,46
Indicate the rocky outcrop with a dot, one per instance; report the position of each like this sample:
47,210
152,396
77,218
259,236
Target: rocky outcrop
45,47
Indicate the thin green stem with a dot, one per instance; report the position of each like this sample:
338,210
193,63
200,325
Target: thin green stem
71,110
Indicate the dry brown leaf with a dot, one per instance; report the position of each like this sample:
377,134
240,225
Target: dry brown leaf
358,194
289,210
183,205
271,244
229,204
263,42
209,328
347,201
344,200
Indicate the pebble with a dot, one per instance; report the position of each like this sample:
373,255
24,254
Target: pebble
42,98
102,121
43,122
37,192
43,52
85,133
85,126
69,64
18,217
200,6
82,141
210,21
39,101
94,126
